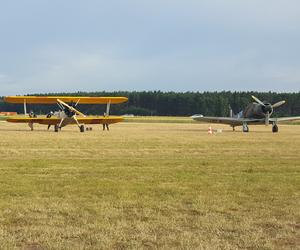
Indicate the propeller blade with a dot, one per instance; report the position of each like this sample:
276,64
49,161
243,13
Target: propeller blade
278,104
77,103
257,100
71,108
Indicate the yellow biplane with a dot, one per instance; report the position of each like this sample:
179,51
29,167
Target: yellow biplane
67,113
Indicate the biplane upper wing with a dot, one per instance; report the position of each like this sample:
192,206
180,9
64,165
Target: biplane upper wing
68,99
54,120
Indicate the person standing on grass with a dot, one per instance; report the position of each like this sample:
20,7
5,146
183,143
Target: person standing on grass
49,115
105,125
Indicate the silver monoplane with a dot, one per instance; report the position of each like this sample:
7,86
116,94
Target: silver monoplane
255,113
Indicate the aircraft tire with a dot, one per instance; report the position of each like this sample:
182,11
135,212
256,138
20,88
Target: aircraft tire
245,129
275,129
82,128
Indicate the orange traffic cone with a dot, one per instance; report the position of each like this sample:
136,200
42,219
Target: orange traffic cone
210,132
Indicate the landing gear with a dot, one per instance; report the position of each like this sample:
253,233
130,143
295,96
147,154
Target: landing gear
81,128
275,128
30,126
56,128
105,126
245,128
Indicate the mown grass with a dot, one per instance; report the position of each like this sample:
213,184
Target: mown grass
148,185
159,119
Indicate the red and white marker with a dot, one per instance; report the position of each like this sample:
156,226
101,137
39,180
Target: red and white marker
210,132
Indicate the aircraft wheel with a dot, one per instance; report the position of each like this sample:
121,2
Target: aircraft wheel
81,128
275,128
245,128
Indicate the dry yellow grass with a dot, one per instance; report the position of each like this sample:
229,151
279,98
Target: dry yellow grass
149,186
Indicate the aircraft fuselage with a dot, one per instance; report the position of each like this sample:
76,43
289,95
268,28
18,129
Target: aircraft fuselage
257,111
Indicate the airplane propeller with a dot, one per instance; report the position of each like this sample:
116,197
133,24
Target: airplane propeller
268,108
70,107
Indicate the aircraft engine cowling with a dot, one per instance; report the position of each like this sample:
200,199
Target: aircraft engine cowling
69,112
267,108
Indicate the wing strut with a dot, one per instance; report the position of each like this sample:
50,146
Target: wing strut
77,102
61,122
108,108
70,108
25,108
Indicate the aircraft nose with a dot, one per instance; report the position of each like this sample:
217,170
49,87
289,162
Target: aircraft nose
267,108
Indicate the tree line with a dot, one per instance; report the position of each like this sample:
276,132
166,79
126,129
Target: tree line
172,103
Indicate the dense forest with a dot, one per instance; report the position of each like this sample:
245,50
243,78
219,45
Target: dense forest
173,103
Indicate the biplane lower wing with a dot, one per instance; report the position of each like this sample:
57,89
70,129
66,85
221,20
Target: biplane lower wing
55,121
100,120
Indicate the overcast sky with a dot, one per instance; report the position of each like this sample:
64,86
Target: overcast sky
187,45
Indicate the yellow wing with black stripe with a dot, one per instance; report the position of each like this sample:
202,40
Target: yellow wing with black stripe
81,120
68,99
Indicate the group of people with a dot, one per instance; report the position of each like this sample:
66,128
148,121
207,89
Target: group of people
32,114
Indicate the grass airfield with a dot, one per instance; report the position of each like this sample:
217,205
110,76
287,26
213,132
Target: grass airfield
149,185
